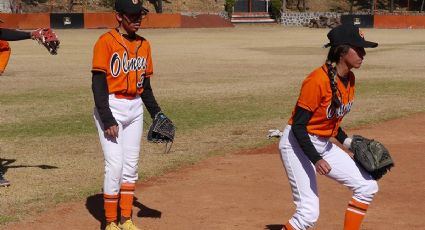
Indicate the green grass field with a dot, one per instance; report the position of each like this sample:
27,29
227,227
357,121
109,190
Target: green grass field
224,88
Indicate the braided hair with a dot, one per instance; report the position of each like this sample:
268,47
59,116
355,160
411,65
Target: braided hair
334,55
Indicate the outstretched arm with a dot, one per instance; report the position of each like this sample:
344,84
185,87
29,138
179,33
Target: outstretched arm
14,35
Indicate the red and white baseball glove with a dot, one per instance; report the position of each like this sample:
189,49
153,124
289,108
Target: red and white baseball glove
47,38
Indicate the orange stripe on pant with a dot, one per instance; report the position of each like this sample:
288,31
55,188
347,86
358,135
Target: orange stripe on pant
5,52
126,200
354,214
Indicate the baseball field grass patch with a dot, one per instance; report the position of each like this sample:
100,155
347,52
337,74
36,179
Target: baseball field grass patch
378,100
389,88
200,114
59,125
35,105
5,218
188,114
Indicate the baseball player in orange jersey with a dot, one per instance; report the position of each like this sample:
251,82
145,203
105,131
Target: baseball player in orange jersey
5,51
121,71
326,96
4,55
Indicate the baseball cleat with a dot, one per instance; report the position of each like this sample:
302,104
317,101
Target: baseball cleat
3,181
112,226
128,225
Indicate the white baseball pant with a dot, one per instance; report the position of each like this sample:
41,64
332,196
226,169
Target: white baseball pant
121,153
302,176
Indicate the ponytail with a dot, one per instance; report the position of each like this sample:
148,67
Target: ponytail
335,102
335,53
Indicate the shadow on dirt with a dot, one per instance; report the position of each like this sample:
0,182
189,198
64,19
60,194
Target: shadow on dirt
94,205
274,227
6,164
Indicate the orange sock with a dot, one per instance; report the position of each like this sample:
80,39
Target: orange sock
126,200
110,206
288,226
354,214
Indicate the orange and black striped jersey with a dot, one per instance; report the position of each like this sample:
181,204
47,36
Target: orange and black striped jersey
125,63
316,96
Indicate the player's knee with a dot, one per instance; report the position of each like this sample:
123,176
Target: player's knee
370,188
367,191
114,171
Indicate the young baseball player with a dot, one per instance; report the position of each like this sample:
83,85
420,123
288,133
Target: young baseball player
4,55
327,95
5,51
122,67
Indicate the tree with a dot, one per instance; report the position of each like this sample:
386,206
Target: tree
303,7
283,9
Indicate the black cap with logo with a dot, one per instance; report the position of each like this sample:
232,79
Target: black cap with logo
130,6
348,34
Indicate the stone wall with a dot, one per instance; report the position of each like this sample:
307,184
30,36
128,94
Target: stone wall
303,18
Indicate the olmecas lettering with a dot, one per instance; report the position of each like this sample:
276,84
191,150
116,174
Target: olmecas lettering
118,64
340,112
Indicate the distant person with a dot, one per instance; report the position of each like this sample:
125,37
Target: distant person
326,96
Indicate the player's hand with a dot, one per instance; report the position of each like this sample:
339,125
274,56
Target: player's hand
112,131
322,167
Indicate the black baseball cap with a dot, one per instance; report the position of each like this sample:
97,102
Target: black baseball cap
130,6
348,34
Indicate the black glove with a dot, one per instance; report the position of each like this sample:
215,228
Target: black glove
372,156
161,130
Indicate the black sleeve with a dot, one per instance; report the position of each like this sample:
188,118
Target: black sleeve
101,99
299,128
14,35
149,99
341,135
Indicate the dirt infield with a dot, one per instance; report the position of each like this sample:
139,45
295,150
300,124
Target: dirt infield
248,190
